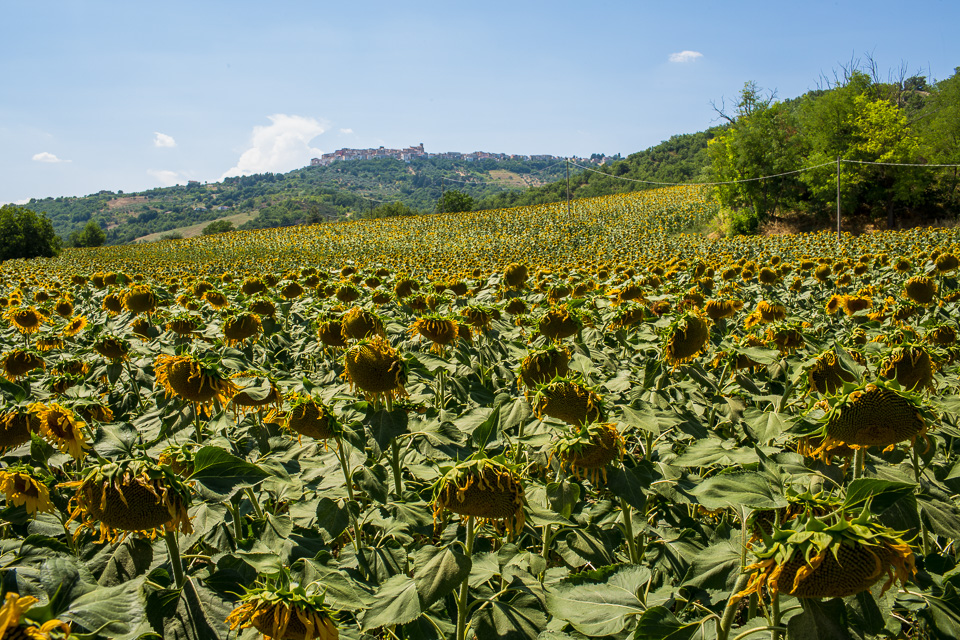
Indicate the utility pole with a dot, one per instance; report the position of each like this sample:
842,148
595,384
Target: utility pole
838,200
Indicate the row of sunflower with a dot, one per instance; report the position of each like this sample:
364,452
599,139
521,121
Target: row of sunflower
508,424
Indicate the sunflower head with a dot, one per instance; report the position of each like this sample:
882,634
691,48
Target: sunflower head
113,303
872,414
788,337
559,323
140,298
717,309
26,320
216,299
515,275
63,307
18,363
911,366
589,449
191,379
252,286
376,369
541,366
440,330
117,498
16,624
309,416
285,614
817,558
358,323
483,488
568,401
826,376
629,315
22,487
240,326
183,324
17,422
920,289
686,338
479,317
113,347
62,428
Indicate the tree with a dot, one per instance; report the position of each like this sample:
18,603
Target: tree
454,202
91,236
390,210
26,234
217,226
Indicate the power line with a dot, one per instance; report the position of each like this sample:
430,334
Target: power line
901,164
704,184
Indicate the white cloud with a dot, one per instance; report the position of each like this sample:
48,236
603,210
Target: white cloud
163,140
281,146
46,156
346,131
165,177
685,56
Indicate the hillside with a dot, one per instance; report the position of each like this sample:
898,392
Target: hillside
310,194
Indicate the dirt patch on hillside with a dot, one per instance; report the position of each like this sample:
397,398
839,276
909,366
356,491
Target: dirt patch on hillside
125,201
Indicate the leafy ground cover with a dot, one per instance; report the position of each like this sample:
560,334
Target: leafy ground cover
524,423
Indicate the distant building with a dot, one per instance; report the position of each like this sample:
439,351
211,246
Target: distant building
408,154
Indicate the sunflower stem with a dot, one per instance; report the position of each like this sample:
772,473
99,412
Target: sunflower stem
859,458
174,550
775,623
235,512
254,502
917,472
395,462
196,423
465,587
627,512
730,611
545,553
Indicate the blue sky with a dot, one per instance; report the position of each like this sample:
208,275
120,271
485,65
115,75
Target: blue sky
134,95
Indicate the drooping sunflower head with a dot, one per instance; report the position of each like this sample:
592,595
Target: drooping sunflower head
568,401
63,307
911,366
285,614
347,292
873,414
191,379
543,365
854,304
516,275
26,320
140,298
920,289
18,363
717,309
483,488
330,333
376,369
788,337
61,427
686,338
183,324
240,326
588,450
17,422
263,307
252,286
216,299
942,335
117,498
113,347
441,330
816,558
113,303
559,323
629,315
309,416
256,392
826,375
479,317
358,323
23,487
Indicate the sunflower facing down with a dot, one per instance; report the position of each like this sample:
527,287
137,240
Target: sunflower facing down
483,488
19,363
190,379
16,625
130,496
817,560
686,338
26,320
308,416
240,326
376,369
568,401
589,450
285,614
542,366
440,330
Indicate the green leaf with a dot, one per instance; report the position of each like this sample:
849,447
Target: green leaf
385,426
766,426
222,473
437,572
563,496
373,480
114,611
332,519
397,602
657,623
598,603
518,619
129,559
819,620
199,614
748,489
711,451
341,592
644,419
881,493
942,518
630,483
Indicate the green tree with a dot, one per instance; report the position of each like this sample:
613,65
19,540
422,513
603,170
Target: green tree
760,141
26,234
390,210
90,236
939,131
217,226
454,202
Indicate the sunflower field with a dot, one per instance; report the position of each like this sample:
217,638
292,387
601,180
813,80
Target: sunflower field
532,423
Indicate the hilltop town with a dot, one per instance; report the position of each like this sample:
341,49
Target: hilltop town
408,154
